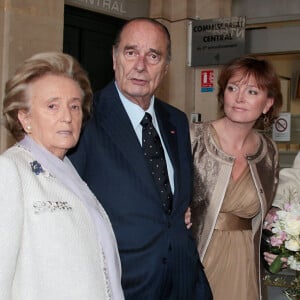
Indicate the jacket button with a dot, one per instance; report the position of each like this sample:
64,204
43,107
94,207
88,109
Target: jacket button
164,260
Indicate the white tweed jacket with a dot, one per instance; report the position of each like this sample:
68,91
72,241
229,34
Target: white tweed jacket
289,184
48,242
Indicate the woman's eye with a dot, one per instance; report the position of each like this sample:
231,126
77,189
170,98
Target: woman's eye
76,107
52,106
232,88
252,92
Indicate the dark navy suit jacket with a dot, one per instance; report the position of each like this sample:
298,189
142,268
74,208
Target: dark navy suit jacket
158,253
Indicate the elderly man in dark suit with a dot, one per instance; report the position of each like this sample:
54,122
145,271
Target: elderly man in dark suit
146,202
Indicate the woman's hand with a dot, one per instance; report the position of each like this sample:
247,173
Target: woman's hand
270,257
187,218
269,219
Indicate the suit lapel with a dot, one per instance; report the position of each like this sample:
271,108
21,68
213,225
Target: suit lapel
116,123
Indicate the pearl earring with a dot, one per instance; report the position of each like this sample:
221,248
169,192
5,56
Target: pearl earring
28,127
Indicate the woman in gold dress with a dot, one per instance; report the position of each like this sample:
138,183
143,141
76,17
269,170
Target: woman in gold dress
235,178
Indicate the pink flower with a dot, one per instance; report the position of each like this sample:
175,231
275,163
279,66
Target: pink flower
275,241
278,239
287,206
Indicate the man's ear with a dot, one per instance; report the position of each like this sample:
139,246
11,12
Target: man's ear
114,53
166,69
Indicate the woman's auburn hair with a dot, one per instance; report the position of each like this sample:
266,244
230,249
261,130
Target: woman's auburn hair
266,78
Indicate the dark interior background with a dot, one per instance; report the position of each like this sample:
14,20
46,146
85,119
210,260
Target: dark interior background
89,36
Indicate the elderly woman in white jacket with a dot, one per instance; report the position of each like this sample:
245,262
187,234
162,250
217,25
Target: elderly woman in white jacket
289,184
288,190
56,241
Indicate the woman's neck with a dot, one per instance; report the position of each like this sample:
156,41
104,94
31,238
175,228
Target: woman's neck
235,138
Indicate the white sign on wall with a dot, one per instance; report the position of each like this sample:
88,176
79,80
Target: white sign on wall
125,9
215,41
282,128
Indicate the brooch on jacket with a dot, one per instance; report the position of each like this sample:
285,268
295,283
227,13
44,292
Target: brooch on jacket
36,167
50,206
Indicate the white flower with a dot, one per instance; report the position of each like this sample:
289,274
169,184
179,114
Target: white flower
292,245
292,226
286,228
293,263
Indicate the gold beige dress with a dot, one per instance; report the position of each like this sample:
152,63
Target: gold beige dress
229,260
227,214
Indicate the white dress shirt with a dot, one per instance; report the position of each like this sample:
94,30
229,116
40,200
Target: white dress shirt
136,114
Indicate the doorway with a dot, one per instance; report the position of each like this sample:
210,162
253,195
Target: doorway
89,36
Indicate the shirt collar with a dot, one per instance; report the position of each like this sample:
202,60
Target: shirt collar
134,111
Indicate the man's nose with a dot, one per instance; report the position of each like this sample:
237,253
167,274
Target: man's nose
140,63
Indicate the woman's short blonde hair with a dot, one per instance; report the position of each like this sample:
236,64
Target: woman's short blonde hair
16,95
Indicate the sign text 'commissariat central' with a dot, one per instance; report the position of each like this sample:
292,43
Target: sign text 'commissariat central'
215,41
226,30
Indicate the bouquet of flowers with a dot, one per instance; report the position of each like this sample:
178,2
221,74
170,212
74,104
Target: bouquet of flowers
285,242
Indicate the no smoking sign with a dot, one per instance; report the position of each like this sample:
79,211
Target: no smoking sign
281,125
282,128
